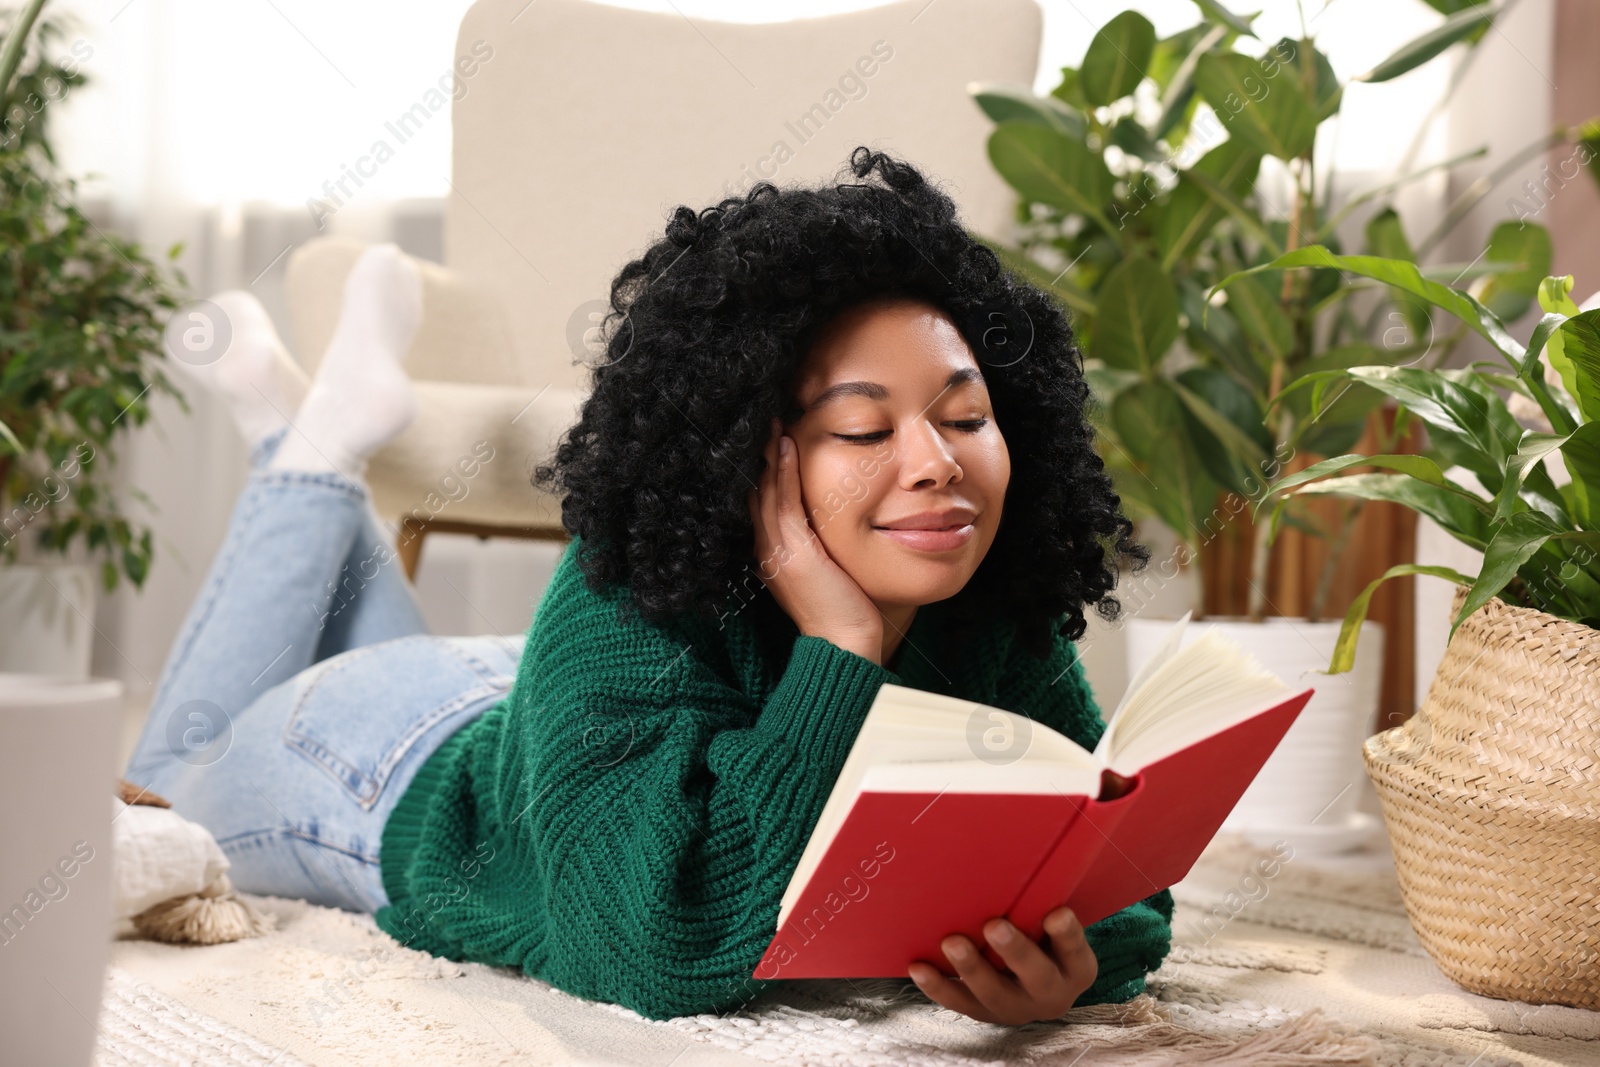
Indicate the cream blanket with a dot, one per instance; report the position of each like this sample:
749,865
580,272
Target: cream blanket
1254,959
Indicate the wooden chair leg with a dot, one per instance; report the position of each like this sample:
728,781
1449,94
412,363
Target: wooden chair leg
408,544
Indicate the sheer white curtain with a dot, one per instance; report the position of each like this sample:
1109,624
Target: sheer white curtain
216,123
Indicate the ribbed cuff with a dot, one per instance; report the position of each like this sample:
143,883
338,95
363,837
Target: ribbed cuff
822,699
402,830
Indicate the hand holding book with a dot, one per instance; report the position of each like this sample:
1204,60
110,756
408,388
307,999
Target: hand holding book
1045,980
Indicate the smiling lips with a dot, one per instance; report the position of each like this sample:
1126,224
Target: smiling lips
932,531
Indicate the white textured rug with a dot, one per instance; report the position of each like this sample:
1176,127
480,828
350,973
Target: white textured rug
1254,959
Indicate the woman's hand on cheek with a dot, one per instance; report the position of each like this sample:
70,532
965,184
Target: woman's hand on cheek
1042,984
817,594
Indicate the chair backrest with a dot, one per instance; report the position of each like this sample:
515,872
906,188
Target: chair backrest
581,126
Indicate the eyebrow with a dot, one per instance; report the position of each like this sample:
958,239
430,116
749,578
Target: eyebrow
874,391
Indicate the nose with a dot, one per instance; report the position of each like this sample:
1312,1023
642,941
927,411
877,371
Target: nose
925,458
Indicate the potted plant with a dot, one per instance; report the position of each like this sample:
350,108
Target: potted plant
81,318
1488,790
1135,203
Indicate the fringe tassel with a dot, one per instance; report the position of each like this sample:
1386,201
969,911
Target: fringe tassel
212,916
1307,1040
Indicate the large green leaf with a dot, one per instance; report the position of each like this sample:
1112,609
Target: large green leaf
1042,164
1581,451
1344,649
1527,244
1148,421
1117,57
1458,27
1326,92
1138,315
1273,114
1480,419
1007,103
1402,275
1462,516
1191,211
1580,336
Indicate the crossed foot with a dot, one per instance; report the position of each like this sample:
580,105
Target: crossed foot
360,398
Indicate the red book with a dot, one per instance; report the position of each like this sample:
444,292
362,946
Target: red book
948,812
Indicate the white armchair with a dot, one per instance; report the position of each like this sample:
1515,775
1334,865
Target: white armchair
578,129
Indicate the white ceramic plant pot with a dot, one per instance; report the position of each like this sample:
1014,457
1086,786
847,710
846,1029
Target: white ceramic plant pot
58,750
47,618
1307,792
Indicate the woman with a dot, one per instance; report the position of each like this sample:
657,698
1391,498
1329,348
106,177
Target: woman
832,445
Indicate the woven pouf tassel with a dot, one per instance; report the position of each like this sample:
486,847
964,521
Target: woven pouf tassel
214,915
1491,794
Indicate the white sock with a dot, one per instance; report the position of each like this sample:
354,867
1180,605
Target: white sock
361,397
261,382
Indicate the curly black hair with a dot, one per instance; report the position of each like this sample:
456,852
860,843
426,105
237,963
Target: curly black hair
706,332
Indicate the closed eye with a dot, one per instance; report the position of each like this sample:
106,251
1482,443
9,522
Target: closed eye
966,425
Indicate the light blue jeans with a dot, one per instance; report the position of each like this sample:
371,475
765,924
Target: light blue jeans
304,690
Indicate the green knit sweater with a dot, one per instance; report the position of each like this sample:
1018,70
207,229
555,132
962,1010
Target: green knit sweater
623,824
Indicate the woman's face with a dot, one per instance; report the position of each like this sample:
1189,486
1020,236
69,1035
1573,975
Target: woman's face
898,431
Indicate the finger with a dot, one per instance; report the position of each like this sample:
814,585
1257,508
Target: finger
1036,970
947,992
1070,947
791,515
999,994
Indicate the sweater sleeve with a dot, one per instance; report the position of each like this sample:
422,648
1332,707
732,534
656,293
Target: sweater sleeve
669,810
1132,942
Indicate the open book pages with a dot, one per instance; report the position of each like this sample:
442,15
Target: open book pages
915,741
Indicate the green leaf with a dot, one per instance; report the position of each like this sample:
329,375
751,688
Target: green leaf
1234,206
1532,449
1419,467
1006,103
1462,515
1226,423
1043,165
1344,649
1148,421
1136,141
1191,211
1326,90
1581,454
1216,12
1402,275
1553,296
1387,238
1270,113
1513,544
1527,244
1261,317
1138,319
1070,92
1580,343
1117,57
1480,419
1413,54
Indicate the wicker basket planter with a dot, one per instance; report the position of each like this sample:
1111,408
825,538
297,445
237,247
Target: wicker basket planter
1491,794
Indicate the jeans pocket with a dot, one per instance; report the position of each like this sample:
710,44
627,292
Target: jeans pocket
358,714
